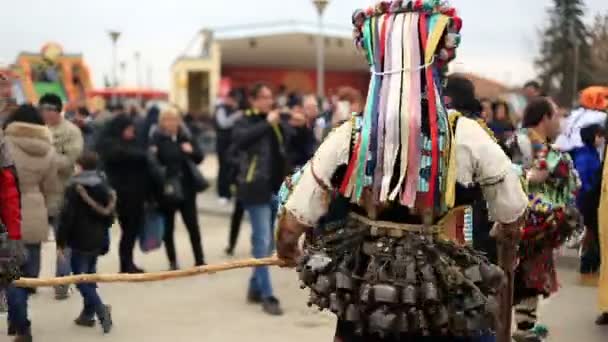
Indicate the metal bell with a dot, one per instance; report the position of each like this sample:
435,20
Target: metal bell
427,273
352,314
323,284
474,323
318,263
414,321
473,274
411,271
385,293
492,306
343,281
441,318
307,276
424,325
335,304
410,295
382,321
403,324
474,300
492,275
365,293
430,293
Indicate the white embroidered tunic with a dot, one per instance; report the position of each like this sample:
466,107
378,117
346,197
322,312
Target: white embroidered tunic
479,160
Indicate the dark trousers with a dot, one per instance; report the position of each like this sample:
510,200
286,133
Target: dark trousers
17,297
590,256
235,224
224,171
131,224
190,217
87,264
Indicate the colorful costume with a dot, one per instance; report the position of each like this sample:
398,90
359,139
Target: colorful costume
553,216
374,199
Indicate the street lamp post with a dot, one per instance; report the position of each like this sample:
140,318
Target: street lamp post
321,5
138,68
114,36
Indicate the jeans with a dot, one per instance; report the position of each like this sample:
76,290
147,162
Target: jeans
262,218
17,297
62,267
87,264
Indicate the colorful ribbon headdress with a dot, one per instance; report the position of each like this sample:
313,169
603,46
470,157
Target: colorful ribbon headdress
402,150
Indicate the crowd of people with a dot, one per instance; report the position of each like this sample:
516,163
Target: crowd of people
75,171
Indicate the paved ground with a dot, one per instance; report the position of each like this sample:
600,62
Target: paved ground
212,308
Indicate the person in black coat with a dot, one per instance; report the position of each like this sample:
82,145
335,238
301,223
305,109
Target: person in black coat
84,224
127,168
178,155
260,141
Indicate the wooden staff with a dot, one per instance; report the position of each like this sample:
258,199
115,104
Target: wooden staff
146,277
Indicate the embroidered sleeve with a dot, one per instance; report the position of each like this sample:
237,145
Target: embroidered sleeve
481,160
309,197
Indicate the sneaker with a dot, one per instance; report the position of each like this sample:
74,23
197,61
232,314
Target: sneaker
526,336
62,292
272,306
603,319
105,318
23,338
85,321
229,251
254,297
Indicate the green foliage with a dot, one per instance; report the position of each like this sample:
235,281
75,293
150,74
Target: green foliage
563,40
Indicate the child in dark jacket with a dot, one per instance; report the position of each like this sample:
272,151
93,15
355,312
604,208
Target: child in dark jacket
85,220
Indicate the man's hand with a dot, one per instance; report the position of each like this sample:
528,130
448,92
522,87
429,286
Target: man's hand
274,117
288,237
187,148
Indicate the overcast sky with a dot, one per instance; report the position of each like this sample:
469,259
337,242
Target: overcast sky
499,37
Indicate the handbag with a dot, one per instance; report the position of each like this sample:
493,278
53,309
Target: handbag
199,181
173,190
153,233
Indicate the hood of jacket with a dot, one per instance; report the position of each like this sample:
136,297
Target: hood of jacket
88,178
34,140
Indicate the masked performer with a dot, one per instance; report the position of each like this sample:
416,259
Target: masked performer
373,199
552,186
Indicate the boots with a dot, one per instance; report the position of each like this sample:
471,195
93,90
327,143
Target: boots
84,320
26,336
62,292
104,314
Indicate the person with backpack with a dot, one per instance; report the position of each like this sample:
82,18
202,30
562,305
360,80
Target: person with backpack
85,220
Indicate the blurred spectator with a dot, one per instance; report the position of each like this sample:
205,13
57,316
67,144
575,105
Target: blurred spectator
7,102
126,164
82,119
282,97
86,218
174,151
226,115
69,143
30,143
350,101
501,123
259,139
532,89
303,142
459,95
486,110
588,164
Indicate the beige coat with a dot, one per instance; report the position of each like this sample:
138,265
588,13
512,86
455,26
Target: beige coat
36,162
68,143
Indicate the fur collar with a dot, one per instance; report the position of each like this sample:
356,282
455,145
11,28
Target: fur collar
26,130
